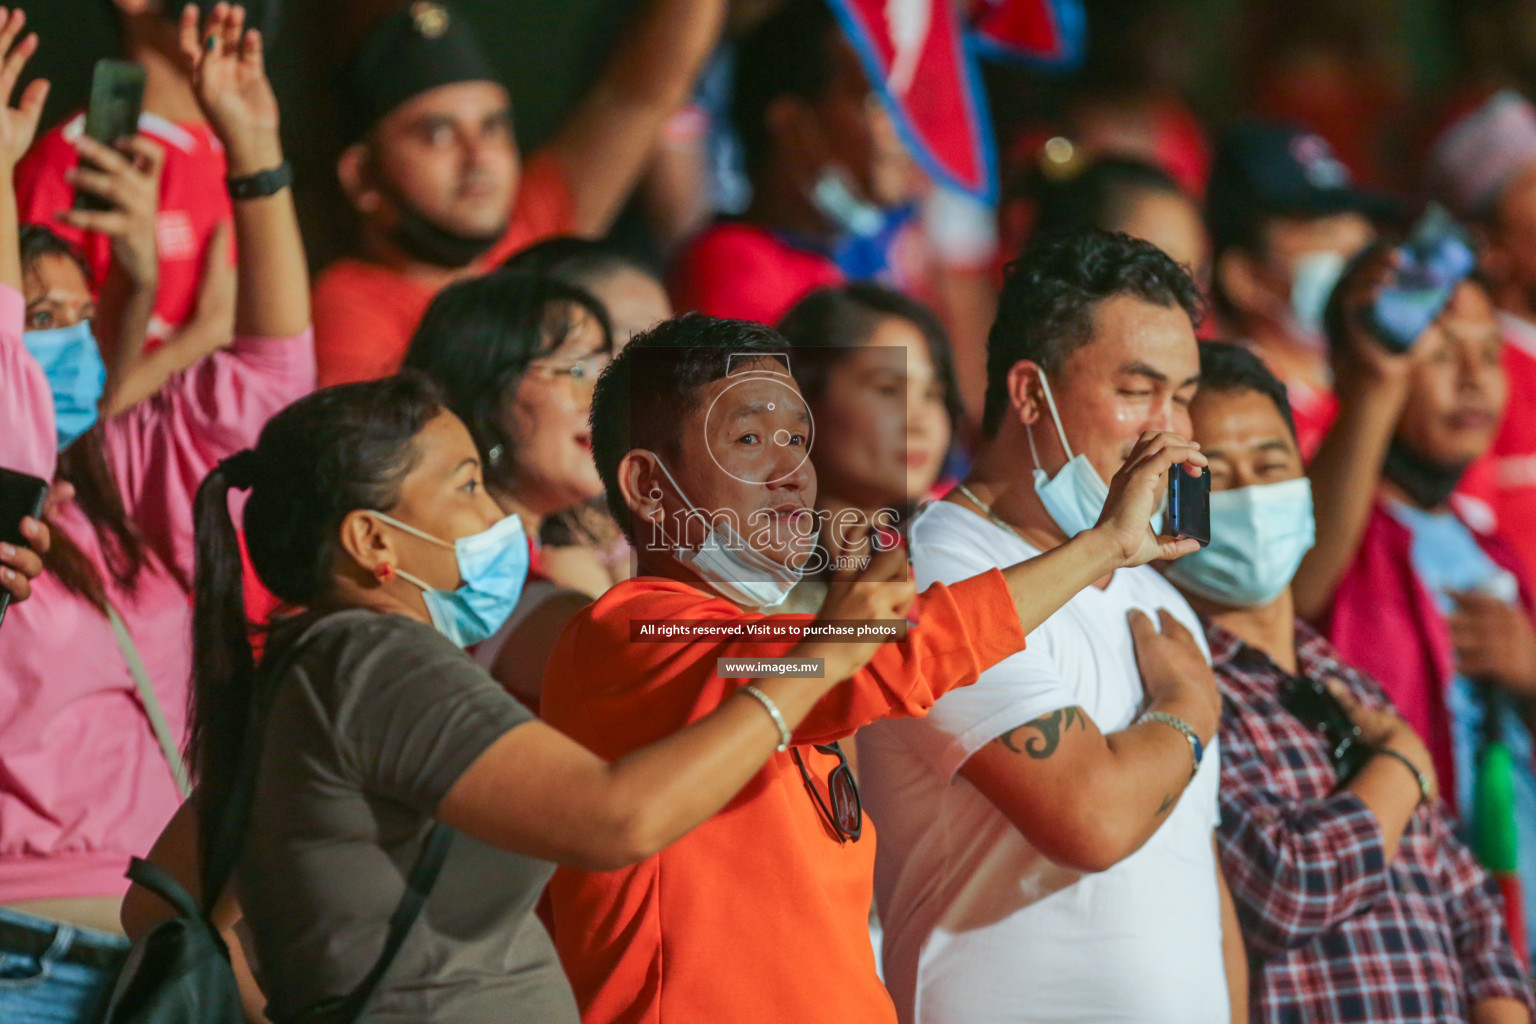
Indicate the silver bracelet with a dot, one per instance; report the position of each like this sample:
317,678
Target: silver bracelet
773,712
1195,746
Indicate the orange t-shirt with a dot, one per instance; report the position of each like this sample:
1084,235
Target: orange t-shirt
760,915
365,313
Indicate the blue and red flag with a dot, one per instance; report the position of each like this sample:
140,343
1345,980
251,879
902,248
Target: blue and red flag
915,53
1043,33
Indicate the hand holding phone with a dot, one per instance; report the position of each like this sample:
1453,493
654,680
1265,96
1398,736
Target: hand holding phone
1189,505
21,496
1430,265
117,99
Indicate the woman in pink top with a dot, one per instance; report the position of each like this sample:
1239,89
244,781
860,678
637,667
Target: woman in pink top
84,779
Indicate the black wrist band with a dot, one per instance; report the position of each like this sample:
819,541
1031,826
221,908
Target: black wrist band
1418,776
261,184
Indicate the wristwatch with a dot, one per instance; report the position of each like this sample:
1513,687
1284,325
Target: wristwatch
261,184
1418,776
1195,746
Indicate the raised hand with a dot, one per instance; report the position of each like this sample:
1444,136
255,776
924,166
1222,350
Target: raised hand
128,179
228,73
18,124
1134,494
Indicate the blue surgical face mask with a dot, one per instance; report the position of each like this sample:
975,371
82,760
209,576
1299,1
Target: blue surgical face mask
1258,537
493,565
730,566
1075,496
71,360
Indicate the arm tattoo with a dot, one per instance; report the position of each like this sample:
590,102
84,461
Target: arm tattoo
1050,728
1168,801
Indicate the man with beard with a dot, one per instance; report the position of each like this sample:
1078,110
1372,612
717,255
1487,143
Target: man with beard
1407,589
434,173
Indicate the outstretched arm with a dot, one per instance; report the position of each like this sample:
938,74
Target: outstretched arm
18,125
229,76
611,135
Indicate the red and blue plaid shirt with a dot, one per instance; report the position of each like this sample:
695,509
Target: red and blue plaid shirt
1334,932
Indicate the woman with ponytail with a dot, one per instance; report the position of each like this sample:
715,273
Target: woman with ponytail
95,667
366,723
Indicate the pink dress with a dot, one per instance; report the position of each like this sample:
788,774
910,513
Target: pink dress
83,784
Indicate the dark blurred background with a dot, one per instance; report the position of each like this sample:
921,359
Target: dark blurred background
1337,64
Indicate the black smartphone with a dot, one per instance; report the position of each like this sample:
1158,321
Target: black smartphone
1434,260
21,495
1189,505
117,99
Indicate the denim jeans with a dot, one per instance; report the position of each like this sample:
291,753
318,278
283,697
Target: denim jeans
50,989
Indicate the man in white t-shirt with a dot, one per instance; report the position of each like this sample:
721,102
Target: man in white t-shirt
1046,835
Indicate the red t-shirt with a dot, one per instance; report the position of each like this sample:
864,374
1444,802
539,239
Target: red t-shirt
193,201
747,272
760,915
365,312
1509,476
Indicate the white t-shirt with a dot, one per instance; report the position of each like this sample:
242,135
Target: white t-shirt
980,928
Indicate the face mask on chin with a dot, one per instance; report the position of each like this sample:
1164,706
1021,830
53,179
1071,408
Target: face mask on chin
419,238
1074,498
730,566
834,199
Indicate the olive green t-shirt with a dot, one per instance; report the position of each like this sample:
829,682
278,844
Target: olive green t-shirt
371,724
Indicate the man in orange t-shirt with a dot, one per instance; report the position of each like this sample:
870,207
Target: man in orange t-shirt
702,439
434,173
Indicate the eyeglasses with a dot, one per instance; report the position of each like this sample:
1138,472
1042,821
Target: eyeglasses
583,371
1318,709
846,815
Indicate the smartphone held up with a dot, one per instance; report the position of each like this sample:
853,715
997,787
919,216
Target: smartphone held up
117,99
1189,505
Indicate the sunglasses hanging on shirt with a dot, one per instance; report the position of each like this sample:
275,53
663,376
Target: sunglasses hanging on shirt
845,816
1319,710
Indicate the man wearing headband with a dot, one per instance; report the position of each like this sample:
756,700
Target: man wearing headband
1484,168
434,173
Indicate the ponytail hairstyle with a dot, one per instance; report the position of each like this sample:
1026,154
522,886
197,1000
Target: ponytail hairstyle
338,450
478,338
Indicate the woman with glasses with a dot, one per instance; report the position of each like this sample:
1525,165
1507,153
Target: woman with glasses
516,355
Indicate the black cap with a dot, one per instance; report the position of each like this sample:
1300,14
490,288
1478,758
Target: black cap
1266,169
414,48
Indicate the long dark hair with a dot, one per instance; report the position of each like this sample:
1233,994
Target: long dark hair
335,451
124,549
826,326
477,340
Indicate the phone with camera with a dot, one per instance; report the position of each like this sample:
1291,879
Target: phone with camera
117,99
1436,257
1189,505
21,495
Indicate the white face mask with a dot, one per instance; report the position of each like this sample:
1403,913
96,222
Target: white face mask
1313,277
834,200
1259,535
1075,497
730,566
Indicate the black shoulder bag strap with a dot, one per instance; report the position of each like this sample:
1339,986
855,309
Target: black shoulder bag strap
225,854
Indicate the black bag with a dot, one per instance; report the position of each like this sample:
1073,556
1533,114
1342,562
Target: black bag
179,972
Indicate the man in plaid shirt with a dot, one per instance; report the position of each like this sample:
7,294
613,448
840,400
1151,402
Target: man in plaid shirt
1356,900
